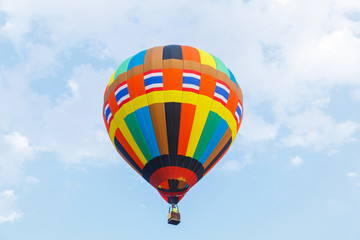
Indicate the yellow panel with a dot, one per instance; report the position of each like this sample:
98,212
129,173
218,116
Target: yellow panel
223,112
201,113
155,97
112,79
120,123
189,97
139,102
172,95
207,59
126,109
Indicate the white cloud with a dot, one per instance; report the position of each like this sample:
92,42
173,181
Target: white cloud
232,166
313,128
18,143
296,161
74,128
255,129
15,151
31,179
351,174
8,207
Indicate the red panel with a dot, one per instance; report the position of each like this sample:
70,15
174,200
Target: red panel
158,176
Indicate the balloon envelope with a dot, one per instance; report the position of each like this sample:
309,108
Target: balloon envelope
172,112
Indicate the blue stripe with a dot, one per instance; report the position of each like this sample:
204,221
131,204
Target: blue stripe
191,80
122,93
238,111
218,134
222,92
152,80
144,118
107,112
137,60
232,78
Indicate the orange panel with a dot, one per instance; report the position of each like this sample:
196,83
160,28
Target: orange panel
190,53
207,85
172,79
136,86
232,101
186,122
113,104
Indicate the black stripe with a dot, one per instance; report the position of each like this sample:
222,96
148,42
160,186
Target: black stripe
172,114
173,200
172,52
170,160
126,155
227,145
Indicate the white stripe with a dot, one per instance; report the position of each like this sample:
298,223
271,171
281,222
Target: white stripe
123,98
240,108
223,87
237,117
191,75
221,97
154,74
108,118
121,88
188,85
154,85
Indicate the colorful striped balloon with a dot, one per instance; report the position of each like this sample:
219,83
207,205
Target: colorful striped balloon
172,112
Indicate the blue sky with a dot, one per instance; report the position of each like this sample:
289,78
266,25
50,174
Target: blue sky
293,172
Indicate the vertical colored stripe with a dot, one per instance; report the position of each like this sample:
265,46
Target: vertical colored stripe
172,111
137,60
207,59
172,52
216,137
201,113
218,157
119,123
130,154
122,68
112,78
224,140
157,112
211,124
144,119
220,66
186,122
136,132
190,54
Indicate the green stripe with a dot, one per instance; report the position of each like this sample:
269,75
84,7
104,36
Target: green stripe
220,66
123,67
134,127
212,122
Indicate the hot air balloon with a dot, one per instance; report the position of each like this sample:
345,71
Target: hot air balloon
172,112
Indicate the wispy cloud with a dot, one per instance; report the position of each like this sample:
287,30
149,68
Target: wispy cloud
296,162
232,166
8,207
351,174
